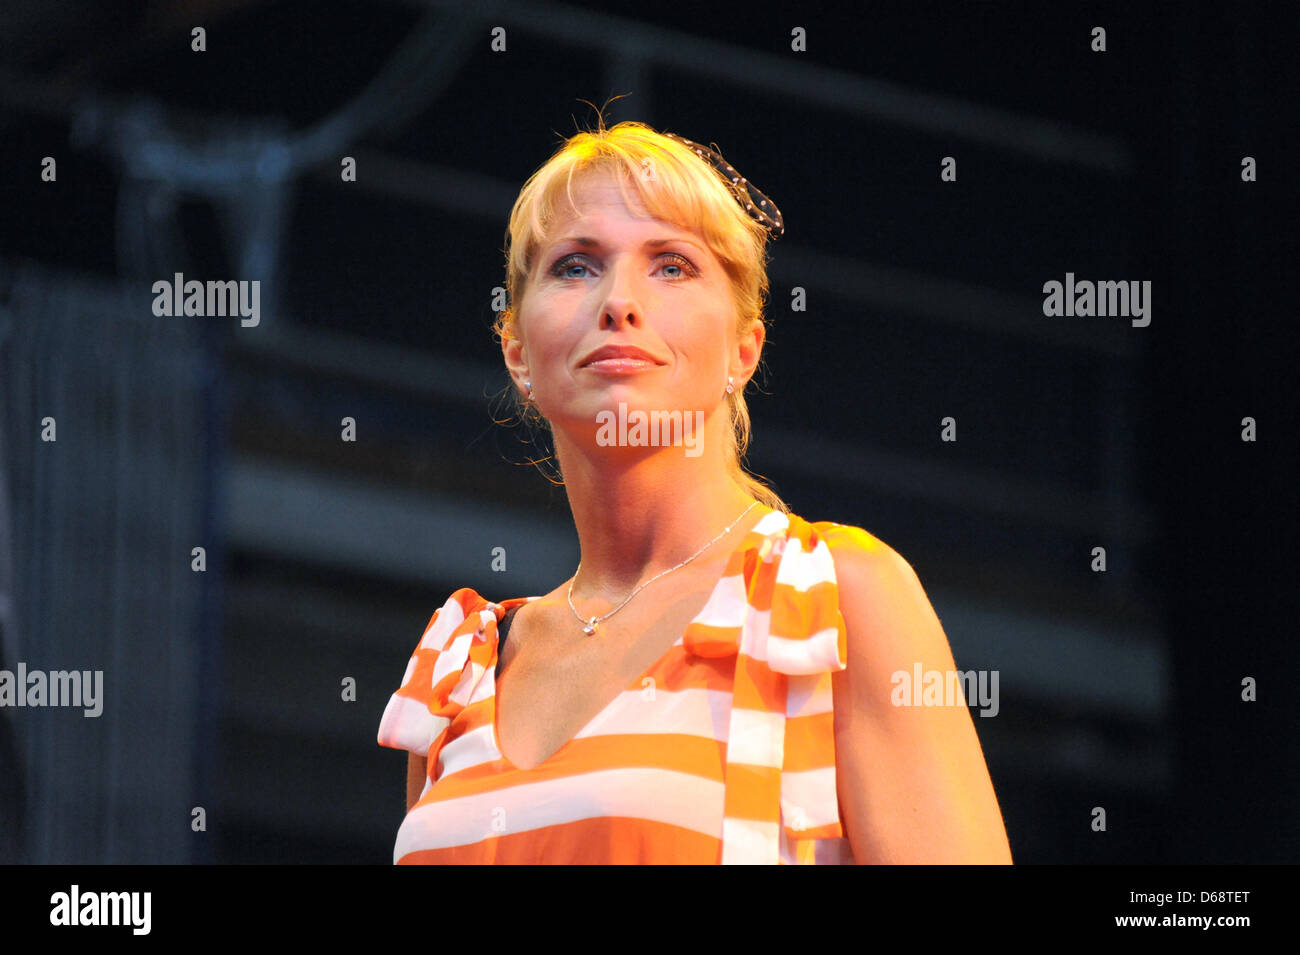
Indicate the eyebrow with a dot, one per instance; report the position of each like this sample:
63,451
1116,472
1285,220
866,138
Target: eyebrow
588,242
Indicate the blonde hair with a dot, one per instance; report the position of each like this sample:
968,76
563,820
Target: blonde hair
675,185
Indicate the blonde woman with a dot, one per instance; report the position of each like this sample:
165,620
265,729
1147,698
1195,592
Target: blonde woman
714,682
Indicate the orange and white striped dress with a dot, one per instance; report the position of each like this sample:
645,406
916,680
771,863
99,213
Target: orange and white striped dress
723,751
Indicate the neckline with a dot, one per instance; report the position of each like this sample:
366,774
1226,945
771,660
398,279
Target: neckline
746,541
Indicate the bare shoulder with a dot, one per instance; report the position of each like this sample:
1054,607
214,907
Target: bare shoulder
912,781
864,562
888,616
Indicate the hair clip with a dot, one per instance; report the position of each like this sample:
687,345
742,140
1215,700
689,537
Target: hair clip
758,205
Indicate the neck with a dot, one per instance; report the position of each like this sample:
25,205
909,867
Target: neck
640,511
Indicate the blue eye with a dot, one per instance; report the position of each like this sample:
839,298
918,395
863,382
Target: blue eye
565,263
569,262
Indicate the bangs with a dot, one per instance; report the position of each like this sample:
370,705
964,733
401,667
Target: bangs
663,177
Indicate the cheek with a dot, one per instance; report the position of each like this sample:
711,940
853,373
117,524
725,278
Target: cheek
702,344
555,349
546,332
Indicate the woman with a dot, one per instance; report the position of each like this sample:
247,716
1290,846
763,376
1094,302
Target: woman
713,685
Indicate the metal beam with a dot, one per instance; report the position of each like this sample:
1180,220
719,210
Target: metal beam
820,86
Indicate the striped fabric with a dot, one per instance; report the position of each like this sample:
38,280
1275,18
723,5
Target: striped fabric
722,752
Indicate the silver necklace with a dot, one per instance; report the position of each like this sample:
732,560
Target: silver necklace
589,626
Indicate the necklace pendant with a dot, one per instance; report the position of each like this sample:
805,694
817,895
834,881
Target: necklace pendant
590,628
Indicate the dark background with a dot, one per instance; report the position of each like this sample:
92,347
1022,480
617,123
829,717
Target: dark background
325,559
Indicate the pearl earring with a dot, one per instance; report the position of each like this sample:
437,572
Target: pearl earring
730,384
529,386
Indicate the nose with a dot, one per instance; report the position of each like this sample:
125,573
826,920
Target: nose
621,304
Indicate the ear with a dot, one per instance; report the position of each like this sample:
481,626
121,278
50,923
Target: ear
516,358
745,355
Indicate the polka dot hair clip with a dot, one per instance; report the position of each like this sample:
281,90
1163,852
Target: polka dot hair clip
753,201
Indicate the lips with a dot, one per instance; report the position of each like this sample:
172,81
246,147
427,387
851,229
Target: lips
620,351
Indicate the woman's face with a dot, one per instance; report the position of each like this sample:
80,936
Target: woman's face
608,274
